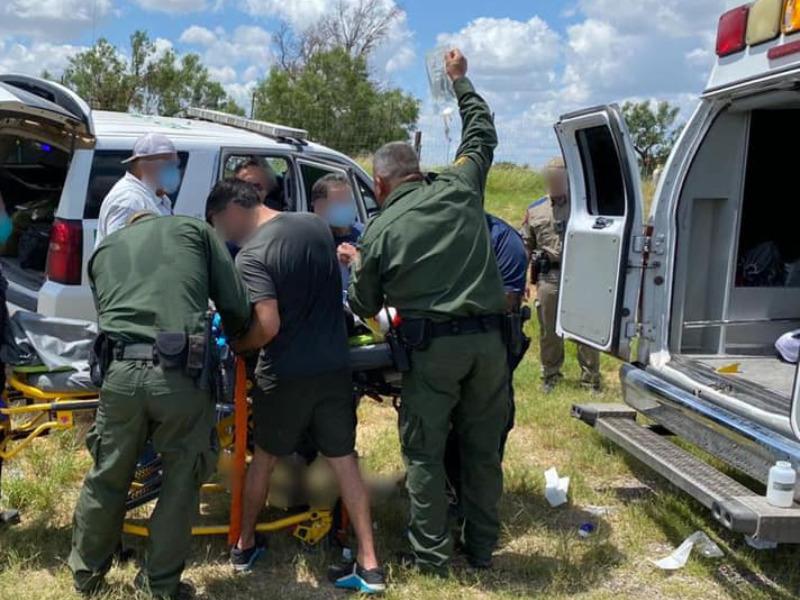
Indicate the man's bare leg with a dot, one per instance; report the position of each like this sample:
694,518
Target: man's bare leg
256,488
356,500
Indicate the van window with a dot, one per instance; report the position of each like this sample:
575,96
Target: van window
769,235
107,169
602,169
282,197
312,173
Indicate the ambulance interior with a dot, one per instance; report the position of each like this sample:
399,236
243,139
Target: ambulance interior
737,271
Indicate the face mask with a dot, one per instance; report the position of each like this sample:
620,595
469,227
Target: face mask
6,226
169,179
341,214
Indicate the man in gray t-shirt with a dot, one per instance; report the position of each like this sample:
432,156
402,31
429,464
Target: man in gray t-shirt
288,263
292,256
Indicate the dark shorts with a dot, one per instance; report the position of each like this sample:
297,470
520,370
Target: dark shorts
321,406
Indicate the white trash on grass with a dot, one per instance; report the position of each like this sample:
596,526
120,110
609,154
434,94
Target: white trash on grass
680,556
555,487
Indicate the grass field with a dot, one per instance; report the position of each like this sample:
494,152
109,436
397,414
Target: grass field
540,555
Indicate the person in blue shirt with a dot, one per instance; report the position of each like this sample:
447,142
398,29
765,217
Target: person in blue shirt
332,200
512,259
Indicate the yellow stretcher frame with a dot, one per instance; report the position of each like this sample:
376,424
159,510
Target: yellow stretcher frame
54,411
58,407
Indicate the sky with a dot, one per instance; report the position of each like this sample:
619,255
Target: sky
533,60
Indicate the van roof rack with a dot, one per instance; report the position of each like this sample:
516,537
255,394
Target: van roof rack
264,128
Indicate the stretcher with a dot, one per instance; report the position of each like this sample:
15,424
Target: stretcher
28,412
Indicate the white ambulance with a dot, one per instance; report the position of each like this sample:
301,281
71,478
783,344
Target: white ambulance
694,299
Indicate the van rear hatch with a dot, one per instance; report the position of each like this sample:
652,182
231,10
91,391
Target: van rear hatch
35,102
41,125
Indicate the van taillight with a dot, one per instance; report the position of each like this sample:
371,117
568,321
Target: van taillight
64,259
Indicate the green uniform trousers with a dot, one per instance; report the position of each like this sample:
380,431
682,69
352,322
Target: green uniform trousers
140,401
551,345
460,381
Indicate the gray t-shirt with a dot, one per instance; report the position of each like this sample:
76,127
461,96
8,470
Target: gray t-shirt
292,259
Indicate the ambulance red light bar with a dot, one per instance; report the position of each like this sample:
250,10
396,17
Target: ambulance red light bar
732,31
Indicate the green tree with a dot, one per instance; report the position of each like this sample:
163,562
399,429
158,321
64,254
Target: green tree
332,96
146,81
653,131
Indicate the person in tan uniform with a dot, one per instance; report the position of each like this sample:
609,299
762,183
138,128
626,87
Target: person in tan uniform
543,232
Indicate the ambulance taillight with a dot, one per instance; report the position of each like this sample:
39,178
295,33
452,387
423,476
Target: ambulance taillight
732,31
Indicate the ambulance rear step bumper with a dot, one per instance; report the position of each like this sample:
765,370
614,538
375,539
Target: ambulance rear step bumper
735,506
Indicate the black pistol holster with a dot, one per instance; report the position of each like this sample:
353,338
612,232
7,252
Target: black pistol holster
416,334
99,359
541,265
514,333
400,355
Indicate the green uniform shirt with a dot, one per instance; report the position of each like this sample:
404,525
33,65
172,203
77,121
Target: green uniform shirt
158,274
428,252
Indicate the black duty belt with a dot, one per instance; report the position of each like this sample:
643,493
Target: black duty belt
133,351
467,326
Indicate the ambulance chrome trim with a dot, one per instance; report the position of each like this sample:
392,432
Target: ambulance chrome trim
750,447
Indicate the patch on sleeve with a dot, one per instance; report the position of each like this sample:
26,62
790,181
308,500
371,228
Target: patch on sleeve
538,202
461,160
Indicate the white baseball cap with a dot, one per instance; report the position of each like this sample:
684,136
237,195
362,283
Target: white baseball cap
151,144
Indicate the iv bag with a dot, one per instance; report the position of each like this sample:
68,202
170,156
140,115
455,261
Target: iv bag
440,85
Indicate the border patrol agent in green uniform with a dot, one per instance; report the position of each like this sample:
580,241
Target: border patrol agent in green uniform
543,232
428,254
151,283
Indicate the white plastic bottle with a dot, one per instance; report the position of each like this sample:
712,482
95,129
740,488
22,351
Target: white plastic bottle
780,488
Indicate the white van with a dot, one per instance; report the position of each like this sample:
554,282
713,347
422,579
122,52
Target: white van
58,160
695,299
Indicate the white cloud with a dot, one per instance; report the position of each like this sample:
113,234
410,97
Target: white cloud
246,46
506,46
613,51
299,13
673,18
198,36
51,19
224,75
237,59
394,54
242,93
173,6
514,61
34,58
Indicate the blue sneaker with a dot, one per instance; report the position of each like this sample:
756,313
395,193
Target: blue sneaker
353,577
243,560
